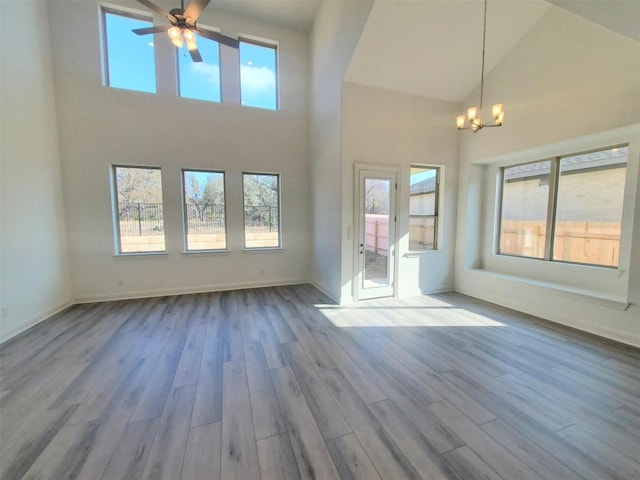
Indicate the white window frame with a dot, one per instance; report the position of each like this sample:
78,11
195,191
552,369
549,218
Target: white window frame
185,218
115,211
261,42
244,224
105,8
437,209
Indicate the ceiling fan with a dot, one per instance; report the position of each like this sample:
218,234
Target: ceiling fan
183,29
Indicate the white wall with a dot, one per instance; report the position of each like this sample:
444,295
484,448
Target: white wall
34,282
100,126
334,36
568,86
383,127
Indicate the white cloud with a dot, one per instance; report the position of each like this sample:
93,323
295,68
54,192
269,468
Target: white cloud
210,72
257,79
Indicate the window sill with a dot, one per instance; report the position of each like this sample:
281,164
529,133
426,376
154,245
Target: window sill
420,253
135,255
198,253
616,302
263,250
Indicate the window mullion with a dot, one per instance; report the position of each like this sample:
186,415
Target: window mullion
551,210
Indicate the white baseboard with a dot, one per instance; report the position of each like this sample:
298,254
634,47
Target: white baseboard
107,297
36,319
316,285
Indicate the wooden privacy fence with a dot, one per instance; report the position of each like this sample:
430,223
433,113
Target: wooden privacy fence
596,243
376,234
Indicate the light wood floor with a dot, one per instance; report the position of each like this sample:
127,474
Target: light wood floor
278,383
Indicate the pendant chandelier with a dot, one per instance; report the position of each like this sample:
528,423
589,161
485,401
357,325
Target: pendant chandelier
473,113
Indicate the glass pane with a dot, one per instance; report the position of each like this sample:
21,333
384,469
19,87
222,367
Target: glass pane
140,213
258,82
589,207
423,191
130,57
261,210
423,200
376,232
205,210
422,233
200,80
525,196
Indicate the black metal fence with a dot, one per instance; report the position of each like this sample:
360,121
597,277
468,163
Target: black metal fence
205,218
140,219
144,219
261,218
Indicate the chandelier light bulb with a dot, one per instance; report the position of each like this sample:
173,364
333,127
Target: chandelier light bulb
460,121
190,38
175,34
471,113
496,110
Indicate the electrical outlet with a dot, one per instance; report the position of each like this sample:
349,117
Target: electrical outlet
120,282
5,312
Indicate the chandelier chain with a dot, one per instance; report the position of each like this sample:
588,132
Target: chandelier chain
484,41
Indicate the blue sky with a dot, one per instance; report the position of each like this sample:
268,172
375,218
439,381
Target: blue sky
418,177
132,65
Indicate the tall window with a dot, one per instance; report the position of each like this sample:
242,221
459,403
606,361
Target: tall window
258,75
261,210
200,80
424,193
138,209
566,209
204,210
129,58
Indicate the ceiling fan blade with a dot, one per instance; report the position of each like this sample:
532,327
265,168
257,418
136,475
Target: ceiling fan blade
195,55
218,37
148,30
149,4
194,10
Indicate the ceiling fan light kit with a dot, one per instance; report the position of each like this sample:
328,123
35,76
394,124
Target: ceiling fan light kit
473,113
183,27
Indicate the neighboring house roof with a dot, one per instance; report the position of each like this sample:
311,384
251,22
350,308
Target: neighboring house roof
584,161
425,186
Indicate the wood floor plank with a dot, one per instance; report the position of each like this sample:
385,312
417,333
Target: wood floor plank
319,358
167,452
331,422
420,390
202,458
351,459
269,338
474,410
493,453
66,454
429,425
267,417
20,447
277,461
239,458
129,458
545,464
189,364
208,402
625,467
310,450
157,390
468,465
384,453
422,455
